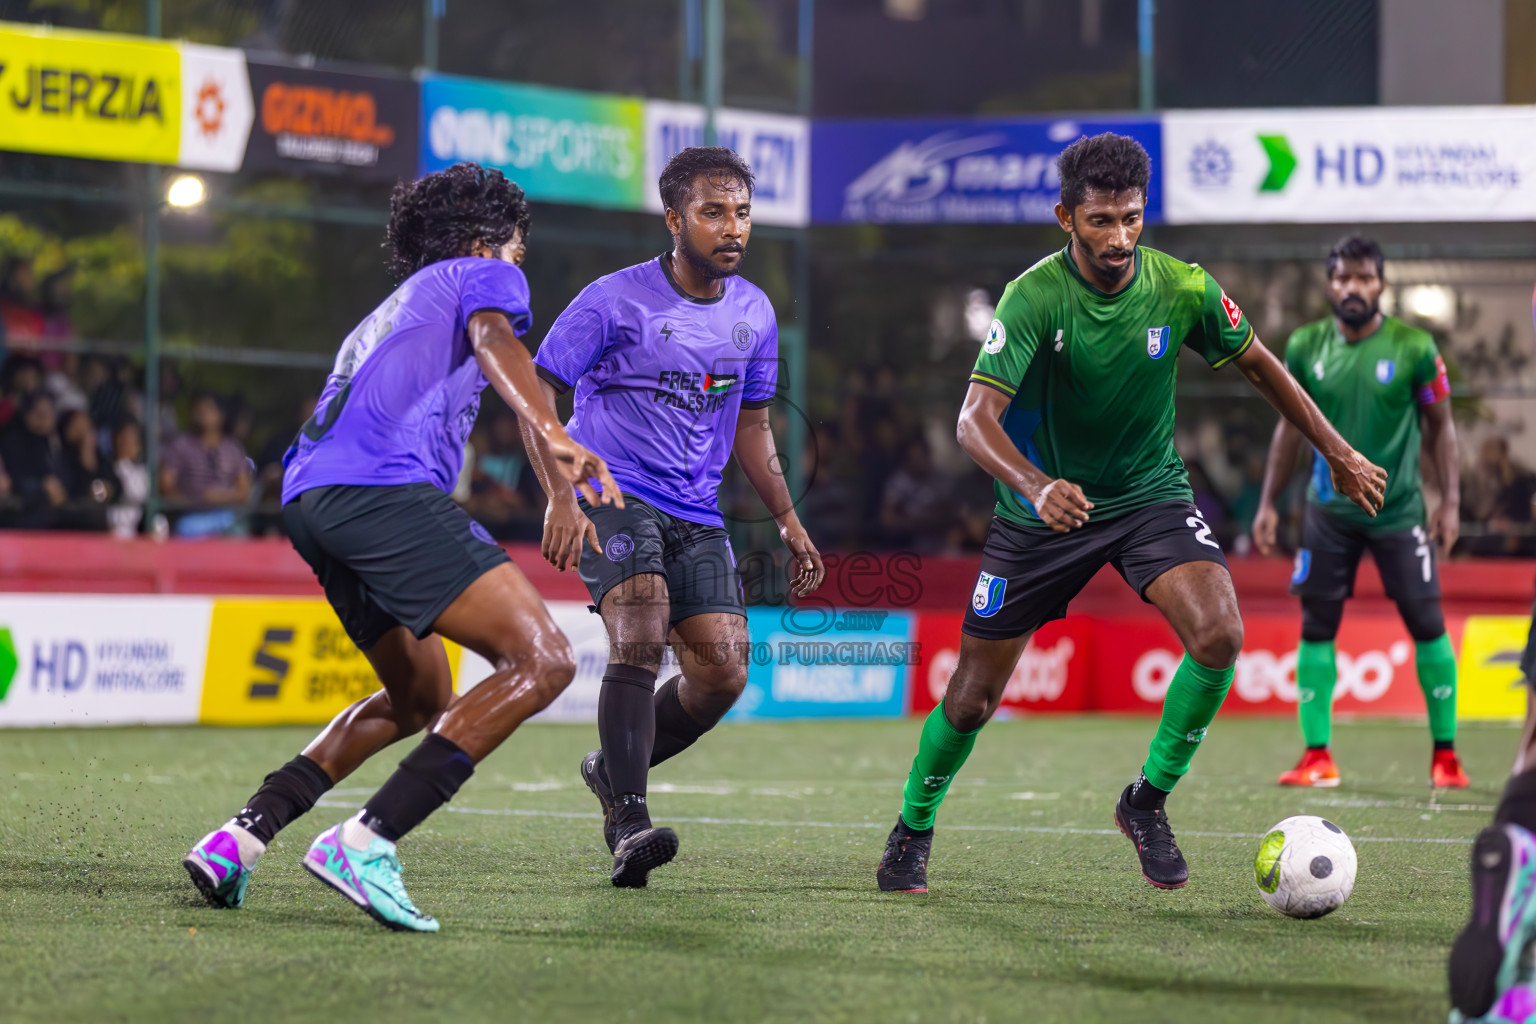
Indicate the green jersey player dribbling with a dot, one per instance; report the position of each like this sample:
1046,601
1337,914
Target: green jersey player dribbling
1379,380
1070,409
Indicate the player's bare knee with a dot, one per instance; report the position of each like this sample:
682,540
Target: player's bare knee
552,665
415,711
968,708
726,680
1216,642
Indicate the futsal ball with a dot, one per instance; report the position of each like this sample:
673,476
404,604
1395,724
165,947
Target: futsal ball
1305,867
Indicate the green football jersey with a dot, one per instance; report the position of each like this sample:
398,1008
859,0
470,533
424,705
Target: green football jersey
1092,375
1371,390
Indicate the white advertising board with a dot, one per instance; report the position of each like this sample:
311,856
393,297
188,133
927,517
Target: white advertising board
1349,165
113,660
776,146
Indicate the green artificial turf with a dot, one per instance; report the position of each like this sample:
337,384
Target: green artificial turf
770,913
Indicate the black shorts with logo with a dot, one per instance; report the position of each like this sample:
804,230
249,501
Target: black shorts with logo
1330,553
696,559
389,556
1030,574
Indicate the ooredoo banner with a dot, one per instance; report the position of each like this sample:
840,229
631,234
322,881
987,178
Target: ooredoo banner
327,122
1053,673
1350,165
85,660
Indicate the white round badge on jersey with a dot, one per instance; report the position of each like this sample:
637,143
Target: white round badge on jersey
997,337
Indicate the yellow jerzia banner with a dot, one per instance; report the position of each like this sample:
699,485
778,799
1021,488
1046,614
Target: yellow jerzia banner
1490,683
87,94
283,662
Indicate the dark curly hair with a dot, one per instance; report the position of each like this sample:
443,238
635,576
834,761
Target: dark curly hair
1356,248
1107,162
442,215
678,176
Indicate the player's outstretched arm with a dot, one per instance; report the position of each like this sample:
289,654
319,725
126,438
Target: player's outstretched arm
1354,476
758,457
1440,442
565,524
1284,447
1060,504
506,364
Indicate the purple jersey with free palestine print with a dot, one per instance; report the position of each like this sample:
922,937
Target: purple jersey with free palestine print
660,378
405,390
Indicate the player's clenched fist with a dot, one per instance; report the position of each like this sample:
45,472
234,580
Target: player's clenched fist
1358,479
1062,505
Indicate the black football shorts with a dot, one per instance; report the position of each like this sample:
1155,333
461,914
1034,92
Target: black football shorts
1330,553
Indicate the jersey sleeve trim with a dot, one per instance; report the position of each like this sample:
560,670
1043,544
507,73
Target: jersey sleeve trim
994,382
551,378
1218,364
760,403
518,320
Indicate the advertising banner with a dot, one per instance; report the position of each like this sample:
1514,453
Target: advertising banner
1375,661
326,122
1350,165
589,642
776,146
1489,682
282,662
559,145
1053,674
979,171
89,94
85,660
216,108
818,663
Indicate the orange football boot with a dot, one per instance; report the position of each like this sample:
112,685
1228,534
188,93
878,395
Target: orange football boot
1445,771
1316,768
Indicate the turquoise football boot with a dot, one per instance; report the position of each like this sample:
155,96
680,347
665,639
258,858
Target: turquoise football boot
370,878
221,864
1491,975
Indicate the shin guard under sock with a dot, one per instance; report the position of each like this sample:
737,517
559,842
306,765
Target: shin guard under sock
426,779
626,725
676,729
941,750
1436,663
285,795
1316,673
1194,696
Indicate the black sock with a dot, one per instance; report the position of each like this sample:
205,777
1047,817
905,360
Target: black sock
626,725
1445,745
1320,748
426,779
676,729
1518,804
1146,797
907,830
284,795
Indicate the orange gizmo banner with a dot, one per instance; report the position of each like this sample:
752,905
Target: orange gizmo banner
283,662
87,94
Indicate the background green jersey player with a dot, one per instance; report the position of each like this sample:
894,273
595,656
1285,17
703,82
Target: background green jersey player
1377,380
1070,409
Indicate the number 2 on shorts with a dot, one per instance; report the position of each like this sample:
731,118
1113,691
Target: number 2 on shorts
1202,532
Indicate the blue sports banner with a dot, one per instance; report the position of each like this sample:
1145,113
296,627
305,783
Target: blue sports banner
977,171
815,662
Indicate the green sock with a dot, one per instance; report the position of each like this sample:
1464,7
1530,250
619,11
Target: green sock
1436,663
1317,670
1194,696
940,752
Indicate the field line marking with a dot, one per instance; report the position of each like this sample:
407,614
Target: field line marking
523,812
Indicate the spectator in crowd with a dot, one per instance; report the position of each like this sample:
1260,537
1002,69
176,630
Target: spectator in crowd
500,480
132,476
19,309
1496,497
828,498
974,502
206,470
35,459
20,377
915,510
90,482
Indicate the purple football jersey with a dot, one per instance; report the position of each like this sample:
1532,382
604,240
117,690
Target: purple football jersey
660,378
401,400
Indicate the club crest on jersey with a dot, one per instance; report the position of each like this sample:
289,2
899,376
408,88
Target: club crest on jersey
1385,368
1234,315
741,335
1302,568
997,337
987,599
1157,341
619,547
